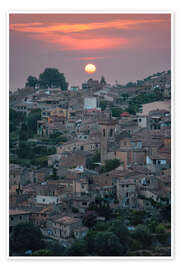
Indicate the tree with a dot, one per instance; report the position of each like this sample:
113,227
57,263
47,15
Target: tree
89,218
132,109
15,118
51,77
26,236
23,133
91,162
32,119
24,151
31,82
125,96
110,165
107,244
90,239
116,112
54,175
42,252
103,104
101,207
143,235
56,248
136,217
131,84
78,248
121,231
101,226
160,228
102,81
165,212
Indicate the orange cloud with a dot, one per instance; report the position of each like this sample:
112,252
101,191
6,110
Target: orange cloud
91,58
75,43
80,36
81,27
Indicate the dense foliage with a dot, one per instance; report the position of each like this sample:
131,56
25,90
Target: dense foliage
91,162
50,77
110,165
26,236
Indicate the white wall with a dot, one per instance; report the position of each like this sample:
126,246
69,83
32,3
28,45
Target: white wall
47,199
142,122
90,103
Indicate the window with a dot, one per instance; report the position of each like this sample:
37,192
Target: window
127,194
127,185
12,218
104,132
140,120
111,132
84,203
20,217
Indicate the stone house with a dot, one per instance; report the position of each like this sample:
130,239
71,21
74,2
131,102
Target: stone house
78,145
126,193
45,194
80,186
64,227
53,160
16,217
74,159
15,172
158,161
80,232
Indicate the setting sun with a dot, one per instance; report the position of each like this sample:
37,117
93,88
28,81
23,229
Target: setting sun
90,68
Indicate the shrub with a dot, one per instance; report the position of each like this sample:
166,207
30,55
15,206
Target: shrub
107,244
135,244
143,235
160,228
42,252
75,210
163,238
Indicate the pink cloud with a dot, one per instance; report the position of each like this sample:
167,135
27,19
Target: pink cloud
85,36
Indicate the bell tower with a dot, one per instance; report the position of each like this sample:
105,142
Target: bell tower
107,128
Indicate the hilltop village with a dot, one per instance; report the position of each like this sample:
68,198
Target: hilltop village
89,164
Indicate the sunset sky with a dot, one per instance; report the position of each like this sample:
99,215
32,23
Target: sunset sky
124,47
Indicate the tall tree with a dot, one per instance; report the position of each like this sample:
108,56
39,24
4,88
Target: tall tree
107,244
102,81
51,77
31,81
26,236
32,119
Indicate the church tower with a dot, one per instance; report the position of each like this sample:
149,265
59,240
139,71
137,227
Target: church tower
107,128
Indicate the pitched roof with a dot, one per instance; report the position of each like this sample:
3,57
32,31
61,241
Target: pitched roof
66,220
